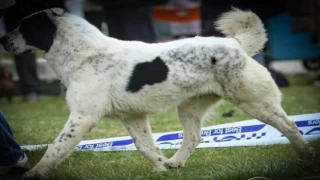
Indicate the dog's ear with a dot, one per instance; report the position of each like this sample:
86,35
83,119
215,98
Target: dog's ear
38,30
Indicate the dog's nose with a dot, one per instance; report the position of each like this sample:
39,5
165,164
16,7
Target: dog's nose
3,40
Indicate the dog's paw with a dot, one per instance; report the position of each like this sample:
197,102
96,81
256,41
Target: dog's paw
160,168
307,153
34,174
171,163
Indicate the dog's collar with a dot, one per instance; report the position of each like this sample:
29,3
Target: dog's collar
54,13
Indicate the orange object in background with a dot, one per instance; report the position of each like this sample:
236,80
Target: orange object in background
169,15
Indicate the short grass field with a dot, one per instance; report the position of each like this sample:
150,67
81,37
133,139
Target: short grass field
40,123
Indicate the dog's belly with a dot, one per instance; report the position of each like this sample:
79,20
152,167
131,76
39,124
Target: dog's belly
150,100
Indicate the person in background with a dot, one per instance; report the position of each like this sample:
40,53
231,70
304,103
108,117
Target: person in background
129,19
12,156
185,29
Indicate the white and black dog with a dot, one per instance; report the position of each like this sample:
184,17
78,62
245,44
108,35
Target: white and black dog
129,80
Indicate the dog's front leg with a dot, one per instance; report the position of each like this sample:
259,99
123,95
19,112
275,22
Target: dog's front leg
76,127
140,131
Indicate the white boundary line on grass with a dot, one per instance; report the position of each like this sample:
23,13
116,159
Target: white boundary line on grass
243,133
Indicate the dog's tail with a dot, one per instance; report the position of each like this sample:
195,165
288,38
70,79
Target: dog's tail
246,27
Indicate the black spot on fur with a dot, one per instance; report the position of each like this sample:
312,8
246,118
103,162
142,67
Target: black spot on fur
38,31
72,125
72,130
148,73
213,60
69,135
61,137
159,159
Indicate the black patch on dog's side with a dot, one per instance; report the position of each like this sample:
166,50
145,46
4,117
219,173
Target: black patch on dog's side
38,31
147,73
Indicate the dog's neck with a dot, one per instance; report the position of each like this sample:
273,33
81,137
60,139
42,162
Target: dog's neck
75,41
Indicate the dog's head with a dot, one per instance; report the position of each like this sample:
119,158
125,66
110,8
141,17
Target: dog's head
35,32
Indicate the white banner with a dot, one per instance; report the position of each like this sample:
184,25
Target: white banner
243,133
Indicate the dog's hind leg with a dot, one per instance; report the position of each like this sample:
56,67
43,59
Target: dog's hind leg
251,88
272,113
191,114
140,131
261,98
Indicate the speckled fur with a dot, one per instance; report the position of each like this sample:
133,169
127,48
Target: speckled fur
97,69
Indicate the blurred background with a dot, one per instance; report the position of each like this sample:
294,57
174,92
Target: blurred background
293,27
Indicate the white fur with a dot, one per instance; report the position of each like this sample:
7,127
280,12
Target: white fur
246,27
97,69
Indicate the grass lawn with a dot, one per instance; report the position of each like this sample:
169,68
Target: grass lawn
40,123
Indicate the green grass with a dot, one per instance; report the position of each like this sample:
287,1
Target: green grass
40,123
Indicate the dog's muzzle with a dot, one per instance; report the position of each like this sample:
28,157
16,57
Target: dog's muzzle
8,46
4,41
